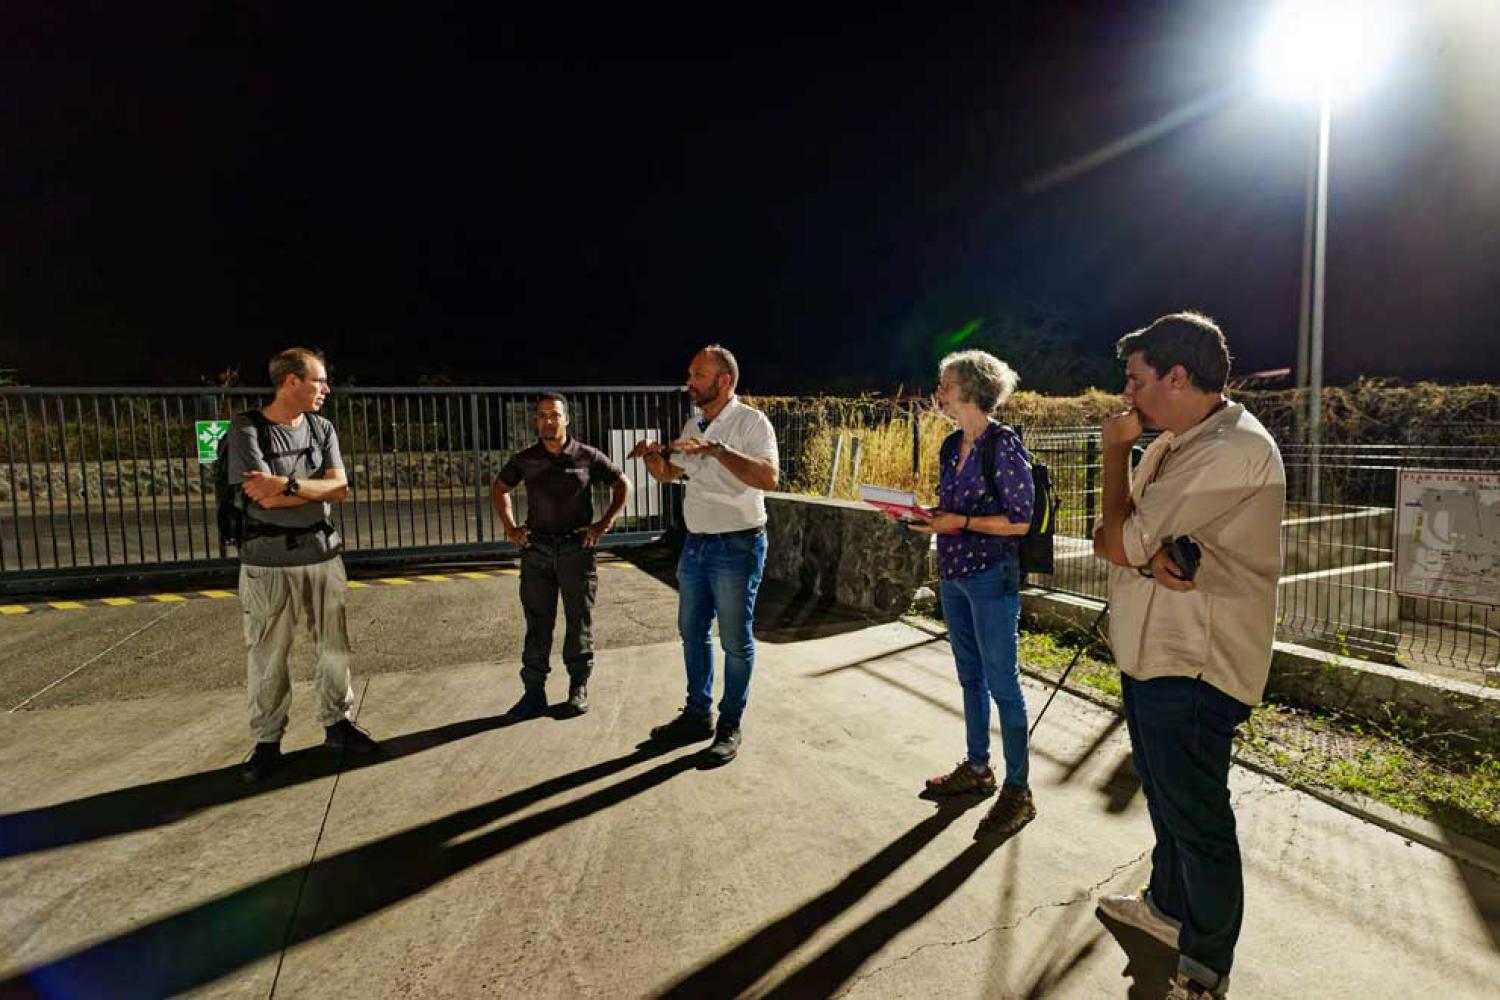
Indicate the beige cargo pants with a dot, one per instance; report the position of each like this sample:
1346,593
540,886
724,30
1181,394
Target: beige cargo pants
275,599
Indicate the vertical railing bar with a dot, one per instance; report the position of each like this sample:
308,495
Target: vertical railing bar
422,459
15,487
478,496
166,458
104,494
452,467
349,452
41,407
205,485
114,410
83,474
375,453
187,440
150,447
411,511
384,480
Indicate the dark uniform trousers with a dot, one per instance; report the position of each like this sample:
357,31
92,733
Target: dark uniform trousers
550,565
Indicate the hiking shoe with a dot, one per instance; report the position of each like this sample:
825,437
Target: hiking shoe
1011,811
533,705
1138,911
578,699
1184,988
726,745
345,735
965,779
686,728
264,759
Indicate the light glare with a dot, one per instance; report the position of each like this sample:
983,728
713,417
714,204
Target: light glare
1325,48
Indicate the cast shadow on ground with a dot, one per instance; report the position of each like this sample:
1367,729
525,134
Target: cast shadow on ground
1150,964
141,807
783,612
736,970
1482,886
955,710
1063,959
199,945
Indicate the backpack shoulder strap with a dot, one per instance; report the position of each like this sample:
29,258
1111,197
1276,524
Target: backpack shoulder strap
262,434
322,433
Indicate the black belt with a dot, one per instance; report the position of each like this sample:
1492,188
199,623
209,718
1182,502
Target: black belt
542,536
293,536
744,533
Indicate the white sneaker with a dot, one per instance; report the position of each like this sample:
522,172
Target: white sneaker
1138,911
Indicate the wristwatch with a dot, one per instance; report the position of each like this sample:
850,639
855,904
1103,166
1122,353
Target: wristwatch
291,487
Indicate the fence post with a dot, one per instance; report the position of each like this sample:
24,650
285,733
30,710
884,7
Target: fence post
1090,481
854,463
478,468
838,456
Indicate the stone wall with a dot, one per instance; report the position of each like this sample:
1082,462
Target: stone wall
835,551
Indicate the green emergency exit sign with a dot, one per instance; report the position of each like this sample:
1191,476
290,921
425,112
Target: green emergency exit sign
210,433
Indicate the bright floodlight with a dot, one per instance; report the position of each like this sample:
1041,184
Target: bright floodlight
1325,48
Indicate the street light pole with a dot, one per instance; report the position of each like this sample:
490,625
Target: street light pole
1319,269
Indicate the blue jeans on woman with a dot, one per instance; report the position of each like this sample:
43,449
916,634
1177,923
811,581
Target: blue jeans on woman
983,615
719,575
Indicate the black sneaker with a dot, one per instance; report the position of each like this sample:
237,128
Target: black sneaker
578,699
533,705
345,735
686,728
726,745
264,759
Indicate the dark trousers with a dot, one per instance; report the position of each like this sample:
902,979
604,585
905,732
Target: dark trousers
1181,729
552,565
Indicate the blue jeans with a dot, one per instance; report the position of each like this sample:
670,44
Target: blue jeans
719,575
1181,729
982,616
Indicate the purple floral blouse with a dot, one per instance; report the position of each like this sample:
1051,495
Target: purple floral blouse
961,491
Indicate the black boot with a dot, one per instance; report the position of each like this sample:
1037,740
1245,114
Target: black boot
345,735
533,705
578,699
726,745
686,728
263,760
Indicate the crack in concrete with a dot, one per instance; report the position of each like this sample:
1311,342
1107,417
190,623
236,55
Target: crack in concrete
1082,896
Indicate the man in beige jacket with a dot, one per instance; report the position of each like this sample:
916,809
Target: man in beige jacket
1194,651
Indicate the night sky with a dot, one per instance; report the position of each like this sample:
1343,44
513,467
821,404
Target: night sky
484,195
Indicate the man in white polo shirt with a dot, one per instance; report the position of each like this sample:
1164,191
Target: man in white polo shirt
1194,651
726,458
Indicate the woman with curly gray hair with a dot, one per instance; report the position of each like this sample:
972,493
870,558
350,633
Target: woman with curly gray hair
979,526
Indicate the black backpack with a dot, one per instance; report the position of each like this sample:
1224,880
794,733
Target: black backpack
1036,544
229,498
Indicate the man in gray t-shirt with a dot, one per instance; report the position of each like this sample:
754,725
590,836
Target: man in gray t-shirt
290,568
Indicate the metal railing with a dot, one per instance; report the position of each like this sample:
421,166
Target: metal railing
1337,555
101,480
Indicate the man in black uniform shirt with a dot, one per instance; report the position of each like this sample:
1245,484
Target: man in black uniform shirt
557,549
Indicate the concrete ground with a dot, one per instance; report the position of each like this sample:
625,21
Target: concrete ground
558,858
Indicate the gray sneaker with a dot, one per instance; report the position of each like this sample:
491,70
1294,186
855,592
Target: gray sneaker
1184,988
1138,911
